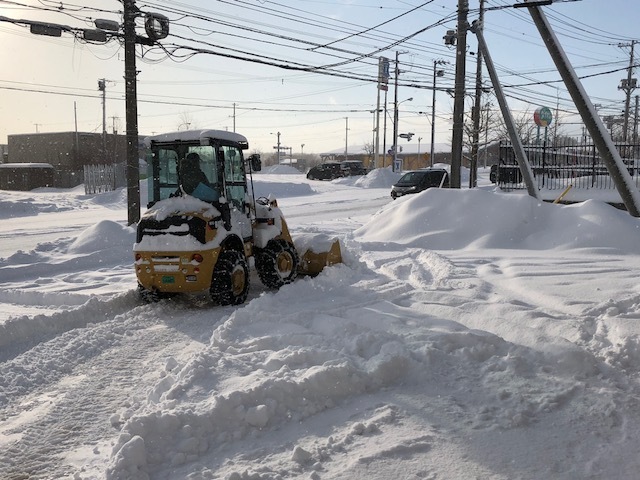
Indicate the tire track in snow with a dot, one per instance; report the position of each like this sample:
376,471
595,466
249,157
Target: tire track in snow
64,400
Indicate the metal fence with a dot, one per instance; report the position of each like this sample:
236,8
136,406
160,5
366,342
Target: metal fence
558,166
104,178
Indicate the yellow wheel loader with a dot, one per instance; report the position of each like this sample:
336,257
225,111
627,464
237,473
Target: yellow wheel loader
203,224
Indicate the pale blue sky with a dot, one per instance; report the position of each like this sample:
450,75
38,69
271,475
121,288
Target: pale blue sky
42,77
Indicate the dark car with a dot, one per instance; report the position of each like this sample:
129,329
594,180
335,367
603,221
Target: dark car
326,171
419,180
505,174
353,167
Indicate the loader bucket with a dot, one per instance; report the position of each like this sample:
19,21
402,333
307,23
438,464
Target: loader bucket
317,251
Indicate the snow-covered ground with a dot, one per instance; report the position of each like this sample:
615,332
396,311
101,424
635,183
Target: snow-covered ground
468,334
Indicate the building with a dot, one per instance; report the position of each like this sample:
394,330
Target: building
67,152
25,176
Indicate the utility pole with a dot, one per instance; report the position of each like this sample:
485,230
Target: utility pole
76,138
102,86
114,141
234,118
396,148
395,114
346,138
384,131
473,177
458,105
131,107
628,85
635,125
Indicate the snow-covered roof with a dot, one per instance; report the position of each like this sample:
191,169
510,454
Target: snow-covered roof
196,135
26,165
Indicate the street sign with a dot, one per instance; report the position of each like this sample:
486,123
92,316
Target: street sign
543,117
383,70
383,73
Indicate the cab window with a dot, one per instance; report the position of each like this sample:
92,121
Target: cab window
165,169
234,176
207,161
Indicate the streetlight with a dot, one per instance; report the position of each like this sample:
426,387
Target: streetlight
395,132
436,73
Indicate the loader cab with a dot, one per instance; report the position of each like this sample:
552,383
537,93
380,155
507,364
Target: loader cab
176,158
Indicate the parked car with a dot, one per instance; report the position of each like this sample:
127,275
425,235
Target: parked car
353,167
418,180
505,174
326,171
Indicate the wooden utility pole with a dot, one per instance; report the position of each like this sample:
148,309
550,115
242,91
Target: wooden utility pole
473,176
628,85
131,106
458,105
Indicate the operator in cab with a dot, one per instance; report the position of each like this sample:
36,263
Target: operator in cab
193,180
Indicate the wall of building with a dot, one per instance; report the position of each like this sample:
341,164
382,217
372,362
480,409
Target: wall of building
67,149
67,152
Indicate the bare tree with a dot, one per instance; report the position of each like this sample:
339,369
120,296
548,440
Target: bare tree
369,148
186,122
489,130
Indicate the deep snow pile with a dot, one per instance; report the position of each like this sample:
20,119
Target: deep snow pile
478,219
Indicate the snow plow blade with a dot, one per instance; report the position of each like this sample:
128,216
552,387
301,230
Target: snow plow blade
316,252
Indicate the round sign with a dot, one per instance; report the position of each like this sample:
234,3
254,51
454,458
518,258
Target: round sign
543,117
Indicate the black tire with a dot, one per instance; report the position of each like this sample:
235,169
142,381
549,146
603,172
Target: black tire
230,281
277,263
